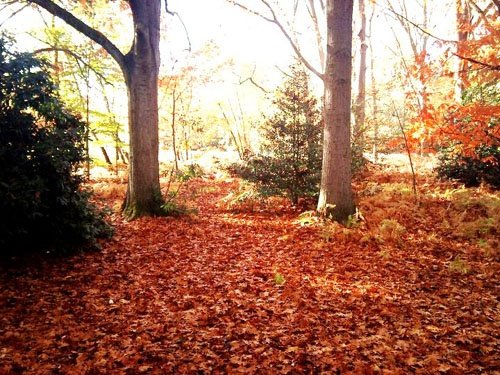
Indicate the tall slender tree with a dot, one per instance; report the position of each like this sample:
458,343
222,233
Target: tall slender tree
464,27
373,90
360,105
140,67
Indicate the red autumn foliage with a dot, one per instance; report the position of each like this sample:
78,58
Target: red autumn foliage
259,292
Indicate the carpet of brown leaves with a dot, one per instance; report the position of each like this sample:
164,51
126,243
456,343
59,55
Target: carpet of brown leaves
412,288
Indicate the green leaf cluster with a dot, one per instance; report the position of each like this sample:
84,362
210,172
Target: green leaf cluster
471,171
42,202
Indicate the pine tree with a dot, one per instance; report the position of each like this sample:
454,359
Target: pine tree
289,162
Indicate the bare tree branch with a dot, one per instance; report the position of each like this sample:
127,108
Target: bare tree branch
6,4
405,25
482,13
274,19
235,3
175,14
470,59
167,10
76,57
322,4
85,29
311,8
252,81
474,61
14,13
497,3
283,72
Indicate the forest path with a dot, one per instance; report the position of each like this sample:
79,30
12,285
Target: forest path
250,292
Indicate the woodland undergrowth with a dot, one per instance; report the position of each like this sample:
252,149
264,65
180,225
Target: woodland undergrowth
246,285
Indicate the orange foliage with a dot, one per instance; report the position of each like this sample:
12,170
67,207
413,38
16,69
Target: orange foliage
470,126
437,119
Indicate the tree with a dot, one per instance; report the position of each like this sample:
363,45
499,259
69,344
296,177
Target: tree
140,68
76,65
470,133
42,203
463,20
360,105
417,73
374,98
290,159
336,197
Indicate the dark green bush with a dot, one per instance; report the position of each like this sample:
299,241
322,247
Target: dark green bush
42,202
289,162
471,171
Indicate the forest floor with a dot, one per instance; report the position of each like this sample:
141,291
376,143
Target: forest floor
245,286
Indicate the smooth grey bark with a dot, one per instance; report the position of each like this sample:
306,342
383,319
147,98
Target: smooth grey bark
359,123
463,20
373,89
311,7
140,67
336,197
174,136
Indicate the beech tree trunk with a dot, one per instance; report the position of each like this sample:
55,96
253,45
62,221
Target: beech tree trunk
361,97
336,198
140,67
373,89
463,19
174,136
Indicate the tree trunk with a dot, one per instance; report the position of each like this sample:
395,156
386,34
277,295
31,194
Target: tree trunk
174,136
142,66
373,89
103,150
360,99
317,29
463,18
336,198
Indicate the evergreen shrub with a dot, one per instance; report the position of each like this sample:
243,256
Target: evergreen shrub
42,202
289,160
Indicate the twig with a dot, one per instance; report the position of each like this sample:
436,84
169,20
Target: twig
14,13
274,19
251,80
76,57
175,14
407,146
469,59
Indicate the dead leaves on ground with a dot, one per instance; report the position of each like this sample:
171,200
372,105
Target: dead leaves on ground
255,291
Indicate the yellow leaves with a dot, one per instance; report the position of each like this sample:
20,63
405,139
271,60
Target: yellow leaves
390,229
